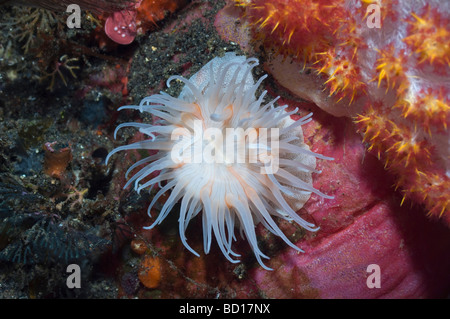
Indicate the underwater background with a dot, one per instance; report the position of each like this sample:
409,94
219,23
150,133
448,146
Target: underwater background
60,204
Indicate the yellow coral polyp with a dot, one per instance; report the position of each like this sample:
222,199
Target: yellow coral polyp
298,28
429,110
406,146
436,184
353,41
374,128
436,108
435,47
343,76
332,37
391,67
429,39
405,150
400,145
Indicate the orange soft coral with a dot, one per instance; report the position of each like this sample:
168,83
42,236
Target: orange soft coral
392,77
430,109
342,74
301,28
151,11
429,36
391,67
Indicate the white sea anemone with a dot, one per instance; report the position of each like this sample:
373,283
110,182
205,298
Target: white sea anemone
228,190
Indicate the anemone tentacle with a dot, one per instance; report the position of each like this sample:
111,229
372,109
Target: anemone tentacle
221,96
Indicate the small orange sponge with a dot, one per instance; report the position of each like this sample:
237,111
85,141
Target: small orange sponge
150,271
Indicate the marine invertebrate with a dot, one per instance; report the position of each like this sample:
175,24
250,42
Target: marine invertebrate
64,63
149,272
28,25
401,66
430,108
343,75
391,67
56,161
123,26
429,36
264,177
314,38
279,24
151,11
49,52
138,246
